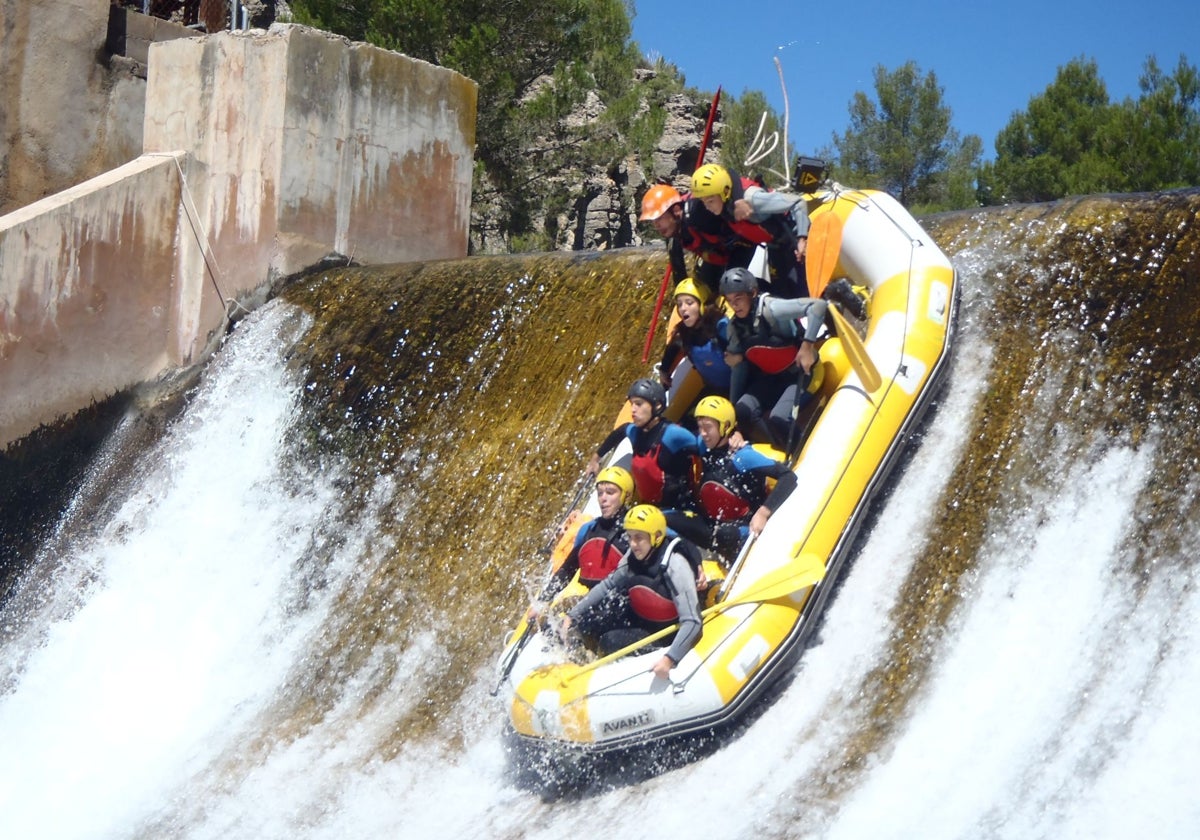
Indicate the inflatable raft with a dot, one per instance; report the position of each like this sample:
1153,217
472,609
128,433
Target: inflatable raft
877,382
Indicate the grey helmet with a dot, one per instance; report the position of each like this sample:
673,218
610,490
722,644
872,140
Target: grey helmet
738,280
650,391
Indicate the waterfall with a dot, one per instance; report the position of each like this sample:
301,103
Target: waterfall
283,620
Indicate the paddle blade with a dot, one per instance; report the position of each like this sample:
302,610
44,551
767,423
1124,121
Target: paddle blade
868,374
781,583
821,255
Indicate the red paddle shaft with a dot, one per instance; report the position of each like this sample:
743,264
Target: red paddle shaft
666,281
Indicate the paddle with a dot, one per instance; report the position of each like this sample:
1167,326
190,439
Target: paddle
737,564
821,255
779,584
510,658
662,290
868,374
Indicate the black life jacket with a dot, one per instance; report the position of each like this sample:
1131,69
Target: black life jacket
703,233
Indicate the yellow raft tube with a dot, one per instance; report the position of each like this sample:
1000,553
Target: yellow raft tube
772,598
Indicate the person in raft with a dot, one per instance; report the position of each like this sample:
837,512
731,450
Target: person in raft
662,450
701,336
734,496
768,348
757,216
687,226
599,544
653,587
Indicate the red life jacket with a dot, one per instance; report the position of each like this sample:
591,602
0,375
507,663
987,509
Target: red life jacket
651,605
598,556
727,493
776,230
770,359
721,503
652,600
763,347
648,476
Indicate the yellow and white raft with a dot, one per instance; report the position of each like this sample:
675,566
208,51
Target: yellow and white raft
772,598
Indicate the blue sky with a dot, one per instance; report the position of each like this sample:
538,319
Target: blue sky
989,58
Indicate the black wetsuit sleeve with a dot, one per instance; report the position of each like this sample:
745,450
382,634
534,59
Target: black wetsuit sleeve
562,576
675,255
610,443
670,354
785,483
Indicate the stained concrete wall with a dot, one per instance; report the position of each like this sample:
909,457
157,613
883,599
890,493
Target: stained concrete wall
264,152
90,294
68,112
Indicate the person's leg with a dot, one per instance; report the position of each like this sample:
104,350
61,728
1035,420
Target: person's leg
610,612
781,414
689,525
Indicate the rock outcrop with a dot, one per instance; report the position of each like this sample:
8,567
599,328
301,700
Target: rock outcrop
599,206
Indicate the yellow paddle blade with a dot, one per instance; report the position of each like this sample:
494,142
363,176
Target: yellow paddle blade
821,255
778,584
868,374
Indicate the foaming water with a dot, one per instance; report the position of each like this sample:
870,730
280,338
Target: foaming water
1051,672
250,641
184,631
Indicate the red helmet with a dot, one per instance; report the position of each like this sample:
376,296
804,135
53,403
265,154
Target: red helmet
658,200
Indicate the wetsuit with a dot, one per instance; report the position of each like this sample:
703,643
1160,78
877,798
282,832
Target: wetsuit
706,353
768,376
642,597
733,486
662,461
598,548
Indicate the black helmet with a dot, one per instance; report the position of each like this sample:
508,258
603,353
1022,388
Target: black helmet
738,280
650,391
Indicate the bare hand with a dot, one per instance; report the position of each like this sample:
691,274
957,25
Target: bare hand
801,247
759,520
593,465
806,356
742,209
662,668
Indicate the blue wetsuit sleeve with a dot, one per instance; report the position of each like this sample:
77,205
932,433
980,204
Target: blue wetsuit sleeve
749,459
679,440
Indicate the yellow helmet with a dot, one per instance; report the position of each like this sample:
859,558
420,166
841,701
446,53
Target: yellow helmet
719,409
649,519
658,200
688,286
620,477
712,179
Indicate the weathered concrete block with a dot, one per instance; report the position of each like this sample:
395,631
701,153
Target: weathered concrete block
311,144
264,152
89,296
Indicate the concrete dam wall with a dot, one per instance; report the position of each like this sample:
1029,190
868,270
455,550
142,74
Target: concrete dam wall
262,153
